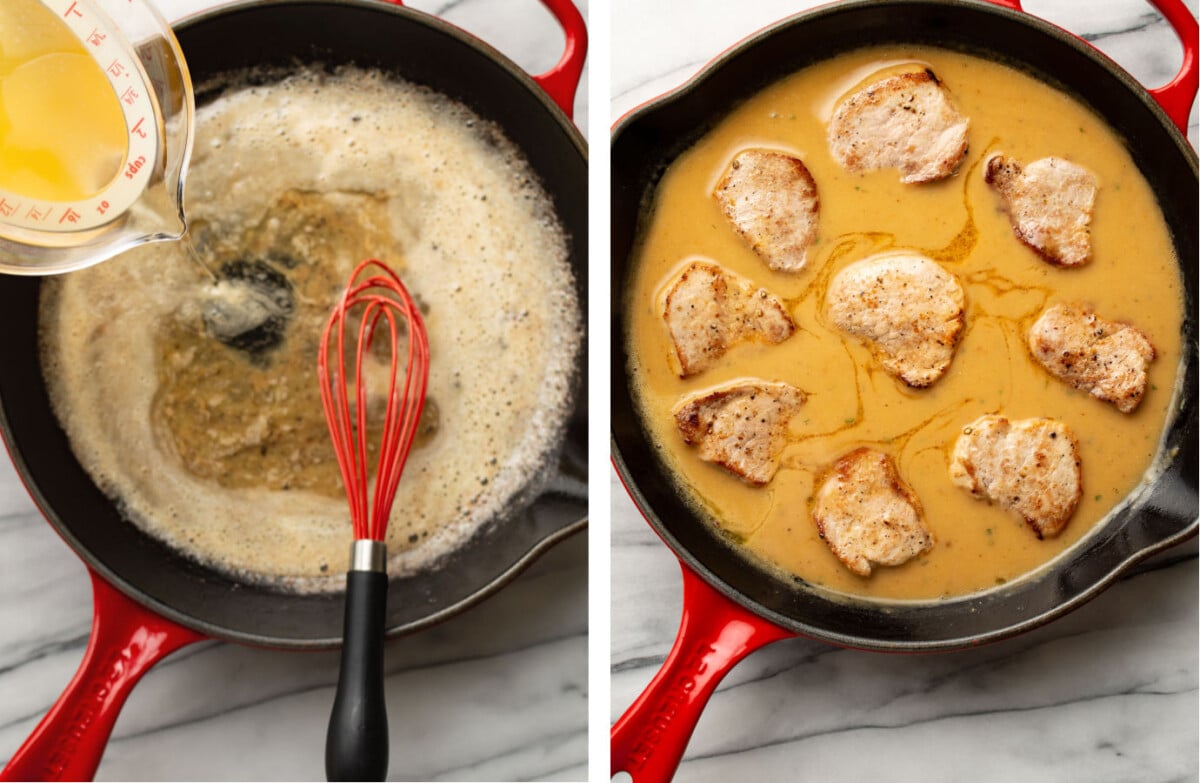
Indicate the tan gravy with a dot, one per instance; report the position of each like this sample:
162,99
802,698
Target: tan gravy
224,455
852,401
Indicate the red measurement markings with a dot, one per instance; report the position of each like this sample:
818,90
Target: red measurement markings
135,166
137,127
73,10
69,216
129,96
116,68
102,207
676,695
7,209
38,214
95,37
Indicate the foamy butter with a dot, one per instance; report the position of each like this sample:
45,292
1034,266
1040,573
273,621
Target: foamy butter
470,231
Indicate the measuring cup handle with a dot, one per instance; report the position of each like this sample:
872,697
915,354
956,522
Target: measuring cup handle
1176,96
126,641
648,741
561,82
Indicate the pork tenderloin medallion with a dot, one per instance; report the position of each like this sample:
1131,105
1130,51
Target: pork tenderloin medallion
1107,359
742,427
906,308
1049,203
906,122
1028,466
867,515
710,309
771,200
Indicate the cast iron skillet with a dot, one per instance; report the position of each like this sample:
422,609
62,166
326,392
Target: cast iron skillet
730,606
148,599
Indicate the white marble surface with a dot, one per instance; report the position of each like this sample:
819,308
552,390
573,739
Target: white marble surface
1108,693
498,693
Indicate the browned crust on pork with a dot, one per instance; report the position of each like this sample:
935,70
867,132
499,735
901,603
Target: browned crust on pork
906,308
1033,219
771,200
708,310
899,544
1030,467
1107,359
742,426
856,152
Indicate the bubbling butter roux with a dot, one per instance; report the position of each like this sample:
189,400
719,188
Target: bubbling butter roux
306,176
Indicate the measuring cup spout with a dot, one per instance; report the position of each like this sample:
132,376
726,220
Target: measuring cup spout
100,168
158,215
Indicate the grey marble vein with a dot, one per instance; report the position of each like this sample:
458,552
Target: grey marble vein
1107,693
497,693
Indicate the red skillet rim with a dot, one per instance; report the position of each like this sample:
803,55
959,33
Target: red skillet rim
1186,372
543,544
421,17
503,575
837,6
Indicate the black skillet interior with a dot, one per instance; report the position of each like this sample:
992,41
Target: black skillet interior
649,139
419,49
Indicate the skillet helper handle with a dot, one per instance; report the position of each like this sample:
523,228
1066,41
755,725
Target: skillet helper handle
648,741
1176,96
356,746
561,82
126,641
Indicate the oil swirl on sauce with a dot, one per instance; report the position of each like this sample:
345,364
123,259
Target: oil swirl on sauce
854,402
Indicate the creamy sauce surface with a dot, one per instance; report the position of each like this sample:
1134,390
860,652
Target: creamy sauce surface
853,402
222,451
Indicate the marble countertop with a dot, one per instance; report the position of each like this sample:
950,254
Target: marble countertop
497,693
1108,693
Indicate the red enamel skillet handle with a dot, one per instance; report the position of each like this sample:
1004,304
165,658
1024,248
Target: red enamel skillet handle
562,81
126,641
648,741
1176,96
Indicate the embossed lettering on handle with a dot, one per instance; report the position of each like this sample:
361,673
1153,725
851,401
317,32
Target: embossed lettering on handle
126,641
109,674
677,693
648,741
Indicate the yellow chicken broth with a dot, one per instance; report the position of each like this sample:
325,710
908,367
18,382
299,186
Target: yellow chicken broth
852,401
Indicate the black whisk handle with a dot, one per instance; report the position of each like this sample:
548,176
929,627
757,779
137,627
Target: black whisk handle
356,747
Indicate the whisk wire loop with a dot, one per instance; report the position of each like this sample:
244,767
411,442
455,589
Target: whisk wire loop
383,300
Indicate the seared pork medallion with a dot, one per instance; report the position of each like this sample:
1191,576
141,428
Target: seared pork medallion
867,514
742,427
1050,204
1029,466
910,320
906,308
709,310
905,122
771,200
1105,358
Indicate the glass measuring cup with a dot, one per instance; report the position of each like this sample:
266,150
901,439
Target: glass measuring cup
96,121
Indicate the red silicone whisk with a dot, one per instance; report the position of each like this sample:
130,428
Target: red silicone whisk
356,746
